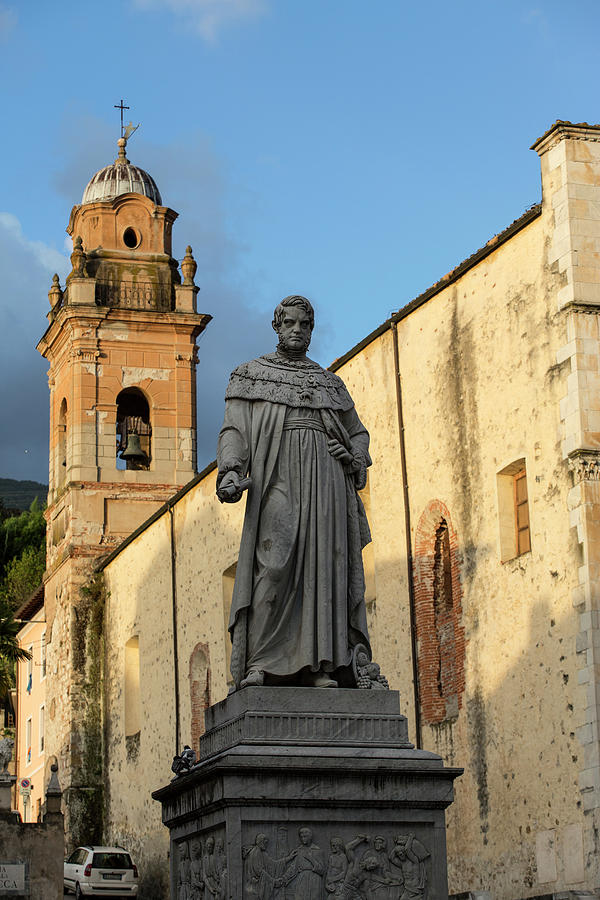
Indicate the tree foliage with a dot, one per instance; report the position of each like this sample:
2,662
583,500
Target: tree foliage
22,563
22,555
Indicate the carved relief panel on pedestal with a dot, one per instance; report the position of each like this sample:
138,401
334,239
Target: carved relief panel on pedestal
202,868
319,863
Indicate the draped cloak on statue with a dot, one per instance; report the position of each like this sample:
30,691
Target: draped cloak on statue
298,598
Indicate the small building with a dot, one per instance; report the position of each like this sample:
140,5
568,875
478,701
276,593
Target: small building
30,735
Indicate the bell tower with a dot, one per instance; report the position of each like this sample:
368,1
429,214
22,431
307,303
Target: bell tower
121,347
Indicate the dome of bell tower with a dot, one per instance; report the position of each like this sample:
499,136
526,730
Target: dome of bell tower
121,177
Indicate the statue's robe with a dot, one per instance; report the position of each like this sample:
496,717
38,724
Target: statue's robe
298,599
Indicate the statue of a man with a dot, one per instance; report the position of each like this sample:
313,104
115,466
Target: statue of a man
292,436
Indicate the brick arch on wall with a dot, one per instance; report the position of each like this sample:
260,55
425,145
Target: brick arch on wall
438,616
199,690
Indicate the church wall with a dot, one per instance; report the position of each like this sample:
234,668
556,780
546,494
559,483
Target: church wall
480,390
138,604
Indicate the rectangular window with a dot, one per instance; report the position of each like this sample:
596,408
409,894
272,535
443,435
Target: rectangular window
43,655
513,511
28,739
42,724
522,513
29,679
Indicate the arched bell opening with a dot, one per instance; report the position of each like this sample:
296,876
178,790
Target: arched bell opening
133,430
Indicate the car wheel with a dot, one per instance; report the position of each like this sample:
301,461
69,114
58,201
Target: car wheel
78,894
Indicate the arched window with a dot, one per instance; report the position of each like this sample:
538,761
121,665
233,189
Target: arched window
443,610
62,444
438,616
133,430
133,701
199,691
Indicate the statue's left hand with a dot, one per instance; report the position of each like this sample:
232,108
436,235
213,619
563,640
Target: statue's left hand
339,452
230,488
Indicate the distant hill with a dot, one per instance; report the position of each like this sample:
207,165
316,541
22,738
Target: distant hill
21,494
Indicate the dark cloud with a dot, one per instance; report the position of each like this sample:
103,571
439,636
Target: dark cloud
27,268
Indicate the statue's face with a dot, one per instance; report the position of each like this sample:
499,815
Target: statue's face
196,849
210,844
294,331
262,841
336,845
379,843
305,835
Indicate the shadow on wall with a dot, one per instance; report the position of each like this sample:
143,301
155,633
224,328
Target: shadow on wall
516,827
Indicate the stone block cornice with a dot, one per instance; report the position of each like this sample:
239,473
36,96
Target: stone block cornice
578,131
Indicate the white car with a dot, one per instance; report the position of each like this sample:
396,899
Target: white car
101,872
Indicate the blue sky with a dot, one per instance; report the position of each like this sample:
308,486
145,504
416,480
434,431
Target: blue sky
351,151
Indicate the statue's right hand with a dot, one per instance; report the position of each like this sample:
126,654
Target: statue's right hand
229,490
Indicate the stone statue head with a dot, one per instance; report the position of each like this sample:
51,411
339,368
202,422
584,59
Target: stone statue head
183,850
210,844
380,843
294,320
196,846
261,840
336,844
369,862
305,835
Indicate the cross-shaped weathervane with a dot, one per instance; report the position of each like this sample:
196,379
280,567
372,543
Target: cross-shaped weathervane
121,107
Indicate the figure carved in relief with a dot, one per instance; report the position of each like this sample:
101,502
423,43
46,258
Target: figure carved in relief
262,873
196,870
408,855
381,877
303,878
212,875
221,865
291,435
184,888
337,866
357,876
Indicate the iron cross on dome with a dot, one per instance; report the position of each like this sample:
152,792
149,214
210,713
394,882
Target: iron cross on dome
121,107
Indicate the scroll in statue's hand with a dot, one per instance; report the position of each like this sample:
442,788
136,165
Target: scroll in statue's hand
232,487
339,452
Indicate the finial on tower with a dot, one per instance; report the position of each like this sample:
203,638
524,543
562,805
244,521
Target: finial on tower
188,266
126,132
78,258
55,294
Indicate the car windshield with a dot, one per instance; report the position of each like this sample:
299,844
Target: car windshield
112,861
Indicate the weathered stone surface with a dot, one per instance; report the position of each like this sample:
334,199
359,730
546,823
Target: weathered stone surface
292,437
274,799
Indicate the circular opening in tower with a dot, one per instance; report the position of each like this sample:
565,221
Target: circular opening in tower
131,238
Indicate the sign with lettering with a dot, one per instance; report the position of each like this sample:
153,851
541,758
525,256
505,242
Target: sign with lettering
13,880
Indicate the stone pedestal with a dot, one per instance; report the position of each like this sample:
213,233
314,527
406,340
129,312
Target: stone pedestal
304,794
